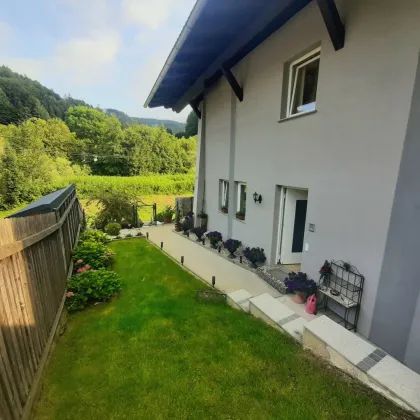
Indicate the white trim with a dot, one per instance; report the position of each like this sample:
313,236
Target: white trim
223,193
294,68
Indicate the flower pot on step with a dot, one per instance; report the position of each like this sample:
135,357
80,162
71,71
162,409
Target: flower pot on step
300,297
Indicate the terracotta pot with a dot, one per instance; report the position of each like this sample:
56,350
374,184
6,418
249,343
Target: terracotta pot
167,219
240,217
299,297
225,211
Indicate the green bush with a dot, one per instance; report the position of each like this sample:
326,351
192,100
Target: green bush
93,235
113,229
91,286
116,206
93,254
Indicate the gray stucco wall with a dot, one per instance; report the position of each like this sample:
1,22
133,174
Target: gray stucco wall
347,154
396,319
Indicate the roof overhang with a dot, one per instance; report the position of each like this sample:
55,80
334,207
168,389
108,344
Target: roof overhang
216,36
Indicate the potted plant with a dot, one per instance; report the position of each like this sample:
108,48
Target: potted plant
178,226
224,209
203,217
232,245
188,222
301,286
214,238
168,214
254,256
240,215
199,232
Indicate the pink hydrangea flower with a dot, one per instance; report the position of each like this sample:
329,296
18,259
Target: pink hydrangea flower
80,270
87,267
79,261
70,294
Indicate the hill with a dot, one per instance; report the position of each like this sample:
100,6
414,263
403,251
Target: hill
22,98
174,126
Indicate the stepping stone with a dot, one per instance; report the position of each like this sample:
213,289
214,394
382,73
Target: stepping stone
269,309
399,379
295,328
239,299
348,344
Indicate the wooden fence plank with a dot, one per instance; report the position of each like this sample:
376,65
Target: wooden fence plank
35,254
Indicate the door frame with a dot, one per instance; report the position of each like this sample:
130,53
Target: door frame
280,229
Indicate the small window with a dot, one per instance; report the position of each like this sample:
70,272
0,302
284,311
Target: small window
223,196
241,200
303,82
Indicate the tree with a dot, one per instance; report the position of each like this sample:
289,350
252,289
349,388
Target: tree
101,135
191,127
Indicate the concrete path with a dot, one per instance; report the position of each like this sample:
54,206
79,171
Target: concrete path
205,264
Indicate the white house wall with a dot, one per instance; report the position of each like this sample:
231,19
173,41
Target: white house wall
347,154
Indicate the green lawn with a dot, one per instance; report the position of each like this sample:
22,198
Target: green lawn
157,353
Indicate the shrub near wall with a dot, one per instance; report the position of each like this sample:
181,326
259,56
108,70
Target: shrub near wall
88,186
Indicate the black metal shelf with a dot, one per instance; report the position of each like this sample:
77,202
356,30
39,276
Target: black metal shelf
342,285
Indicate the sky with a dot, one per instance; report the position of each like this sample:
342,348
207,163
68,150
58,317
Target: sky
106,52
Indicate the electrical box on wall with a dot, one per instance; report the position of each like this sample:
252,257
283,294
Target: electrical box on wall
311,227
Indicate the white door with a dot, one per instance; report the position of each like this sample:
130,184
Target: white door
293,218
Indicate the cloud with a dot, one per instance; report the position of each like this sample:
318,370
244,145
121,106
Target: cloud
86,60
81,60
146,13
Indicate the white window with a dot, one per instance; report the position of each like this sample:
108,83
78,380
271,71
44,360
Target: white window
223,195
241,200
303,82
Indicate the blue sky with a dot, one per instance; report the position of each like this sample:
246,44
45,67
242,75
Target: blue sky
106,52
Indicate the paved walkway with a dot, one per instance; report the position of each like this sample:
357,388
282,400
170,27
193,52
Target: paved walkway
205,264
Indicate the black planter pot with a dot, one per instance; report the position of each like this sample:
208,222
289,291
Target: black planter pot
232,256
214,246
199,239
253,265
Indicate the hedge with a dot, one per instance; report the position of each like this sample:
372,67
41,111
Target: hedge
88,186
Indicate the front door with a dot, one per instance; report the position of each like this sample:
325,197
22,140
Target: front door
293,217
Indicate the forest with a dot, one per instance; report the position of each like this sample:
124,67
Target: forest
45,139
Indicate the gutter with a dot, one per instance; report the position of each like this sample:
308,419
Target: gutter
192,19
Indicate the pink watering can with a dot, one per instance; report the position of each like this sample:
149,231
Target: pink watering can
311,305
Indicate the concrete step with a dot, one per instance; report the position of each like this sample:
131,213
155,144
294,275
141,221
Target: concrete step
278,314
239,299
364,361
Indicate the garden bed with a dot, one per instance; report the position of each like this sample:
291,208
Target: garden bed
224,253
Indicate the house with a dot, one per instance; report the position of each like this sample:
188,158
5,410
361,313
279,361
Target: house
314,108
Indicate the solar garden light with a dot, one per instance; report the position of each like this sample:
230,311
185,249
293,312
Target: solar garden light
219,249
147,235
204,241
240,259
161,245
182,260
213,281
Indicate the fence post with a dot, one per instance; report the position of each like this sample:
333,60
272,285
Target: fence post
61,241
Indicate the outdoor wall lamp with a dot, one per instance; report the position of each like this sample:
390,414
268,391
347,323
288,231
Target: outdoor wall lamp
257,197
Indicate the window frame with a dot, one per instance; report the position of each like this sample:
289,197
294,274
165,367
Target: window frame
294,68
223,193
238,196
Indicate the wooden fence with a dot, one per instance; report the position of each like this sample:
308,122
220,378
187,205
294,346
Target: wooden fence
35,258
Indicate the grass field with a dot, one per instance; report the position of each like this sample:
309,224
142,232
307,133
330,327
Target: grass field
145,213
158,353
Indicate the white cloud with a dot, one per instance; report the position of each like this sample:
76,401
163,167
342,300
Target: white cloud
147,13
86,60
82,60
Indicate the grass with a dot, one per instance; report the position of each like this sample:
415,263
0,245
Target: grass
157,353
